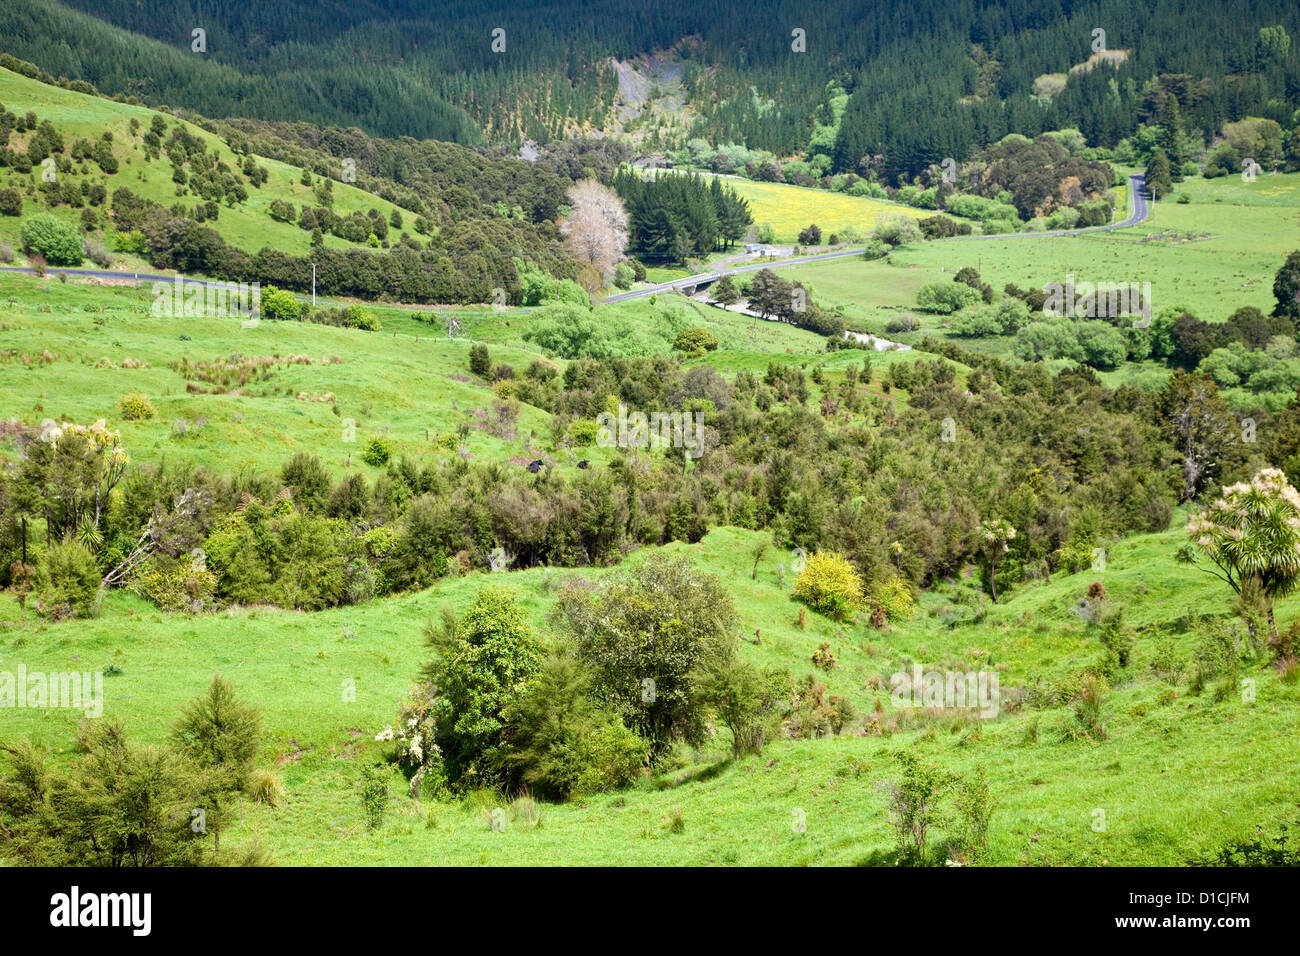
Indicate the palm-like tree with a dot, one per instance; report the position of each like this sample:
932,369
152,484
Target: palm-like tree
1252,534
995,536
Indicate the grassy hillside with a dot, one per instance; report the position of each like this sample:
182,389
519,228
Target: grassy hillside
1178,773
408,383
247,225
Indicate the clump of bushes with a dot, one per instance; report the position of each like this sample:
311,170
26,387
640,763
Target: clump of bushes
377,452
830,585
186,587
53,239
67,582
695,341
135,407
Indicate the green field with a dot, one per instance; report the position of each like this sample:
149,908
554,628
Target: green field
408,383
789,209
1248,230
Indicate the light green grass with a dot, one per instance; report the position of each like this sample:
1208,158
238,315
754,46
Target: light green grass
247,226
1177,774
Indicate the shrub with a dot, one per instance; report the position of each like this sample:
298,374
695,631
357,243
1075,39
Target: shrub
135,407
875,249
132,242
264,787
562,743
646,634
55,240
67,582
1280,848
584,432
747,701
279,304
830,585
938,227
817,714
374,795
946,298
377,452
974,806
96,253
1087,707
914,806
483,661
695,340
11,202
894,597
186,587
896,230
480,362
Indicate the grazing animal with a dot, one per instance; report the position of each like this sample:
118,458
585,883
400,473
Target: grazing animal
584,463
535,466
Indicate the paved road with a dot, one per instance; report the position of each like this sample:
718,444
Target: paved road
1138,203
1137,195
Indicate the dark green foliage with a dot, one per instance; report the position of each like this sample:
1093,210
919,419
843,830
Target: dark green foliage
671,217
645,635
562,742
119,804
47,236
483,661
219,735
480,362
1279,848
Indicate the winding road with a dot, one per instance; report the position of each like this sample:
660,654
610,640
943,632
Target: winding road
1137,201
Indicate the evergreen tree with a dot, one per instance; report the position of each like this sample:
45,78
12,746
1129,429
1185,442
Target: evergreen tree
1158,178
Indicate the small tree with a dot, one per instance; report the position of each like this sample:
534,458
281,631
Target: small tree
67,581
483,661
1252,534
48,236
725,292
810,236
914,805
1159,178
480,362
995,538
746,700
646,636
22,578
220,735
374,794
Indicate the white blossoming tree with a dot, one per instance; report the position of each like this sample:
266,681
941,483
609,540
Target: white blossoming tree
414,734
1252,534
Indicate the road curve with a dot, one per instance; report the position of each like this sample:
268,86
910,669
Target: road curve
1136,188
1138,203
